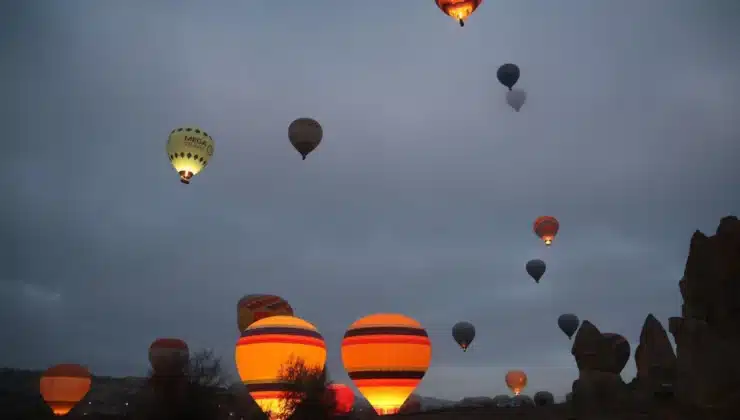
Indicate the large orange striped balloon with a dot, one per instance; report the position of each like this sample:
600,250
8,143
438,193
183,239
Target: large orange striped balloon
386,355
168,356
63,386
516,380
546,227
266,347
251,308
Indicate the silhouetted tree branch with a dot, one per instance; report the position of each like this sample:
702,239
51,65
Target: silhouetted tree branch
308,398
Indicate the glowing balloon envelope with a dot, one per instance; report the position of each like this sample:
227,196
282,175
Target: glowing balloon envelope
516,380
386,355
460,10
63,386
344,398
266,347
252,308
168,356
189,149
546,227
305,135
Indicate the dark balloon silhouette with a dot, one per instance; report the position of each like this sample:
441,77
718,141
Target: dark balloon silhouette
508,75
463,333
536,269
623,350
569,324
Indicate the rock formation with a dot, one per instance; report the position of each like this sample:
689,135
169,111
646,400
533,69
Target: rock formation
707,333
655,361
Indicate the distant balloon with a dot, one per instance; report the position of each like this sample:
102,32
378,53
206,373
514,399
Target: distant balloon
264,349
189,149
522,401
508,75
516,98
460,10
252,308
623,350
516,380
343,397
569,324
386,355
536,269
168,356
305,135
543,398
546,227
463,333
63,386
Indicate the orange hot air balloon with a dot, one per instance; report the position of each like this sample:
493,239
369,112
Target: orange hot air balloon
343,398
459,10
264,349
386,356
168,356
546,227
63,386
516,380
252,308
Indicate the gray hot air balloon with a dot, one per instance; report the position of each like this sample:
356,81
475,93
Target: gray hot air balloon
516,98
305,134
463,333
536,269
569,323
543,398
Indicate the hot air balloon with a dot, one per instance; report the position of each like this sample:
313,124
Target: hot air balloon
168,356
508,75
536,269
252,308
263,351
305,135
516,380
460,10
463,333
189,149
343,398
543,398
522,401
386,355
546,227
63,386
516,98
622,350
501,400
569,324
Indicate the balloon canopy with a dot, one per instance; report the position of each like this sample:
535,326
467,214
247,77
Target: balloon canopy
516,380
63,386
508,75
536,269
305,135
168,356
546,227
343,398
189,149
460,10
251,308
463,333
569,324
516,98
266,348
622,350
386,356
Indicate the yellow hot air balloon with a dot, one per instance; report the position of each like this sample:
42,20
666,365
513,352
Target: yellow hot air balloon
189,149
386,356
516,380
63,386
264,349
252,308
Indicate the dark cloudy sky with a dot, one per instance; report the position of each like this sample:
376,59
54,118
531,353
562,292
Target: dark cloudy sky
420,199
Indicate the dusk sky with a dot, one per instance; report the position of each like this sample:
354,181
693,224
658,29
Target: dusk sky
419,200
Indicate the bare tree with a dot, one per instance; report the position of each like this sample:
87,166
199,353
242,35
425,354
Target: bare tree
308,397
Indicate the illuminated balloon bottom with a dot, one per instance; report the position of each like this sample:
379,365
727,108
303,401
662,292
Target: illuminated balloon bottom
61,408
272,402
386,398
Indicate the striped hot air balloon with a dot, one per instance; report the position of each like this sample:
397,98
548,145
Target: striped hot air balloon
264,350
251,308
168,356
63,386
386,355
